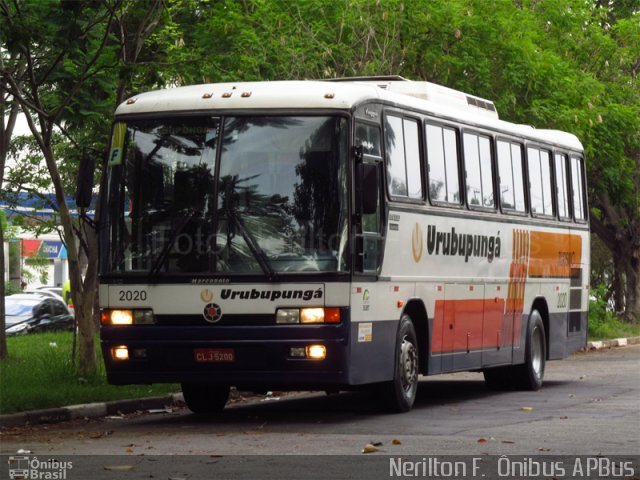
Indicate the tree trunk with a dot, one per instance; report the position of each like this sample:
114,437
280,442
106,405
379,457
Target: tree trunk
3,337
619,268
632,310
83,291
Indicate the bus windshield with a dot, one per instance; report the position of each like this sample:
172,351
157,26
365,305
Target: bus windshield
229,195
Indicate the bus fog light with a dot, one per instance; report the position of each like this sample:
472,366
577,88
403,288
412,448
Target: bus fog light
316,352
139,353
297,352
120,353
287,315
312,315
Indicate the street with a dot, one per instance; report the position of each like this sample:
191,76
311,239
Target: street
589,405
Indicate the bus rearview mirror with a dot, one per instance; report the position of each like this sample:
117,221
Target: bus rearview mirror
369,188
84,188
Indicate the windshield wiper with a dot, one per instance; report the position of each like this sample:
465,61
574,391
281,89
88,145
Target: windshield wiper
162,256
257,252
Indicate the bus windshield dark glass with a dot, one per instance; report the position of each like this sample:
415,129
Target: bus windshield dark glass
234,195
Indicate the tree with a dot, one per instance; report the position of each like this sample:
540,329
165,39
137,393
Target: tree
9,111
64,46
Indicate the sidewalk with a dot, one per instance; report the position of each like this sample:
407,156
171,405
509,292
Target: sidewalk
122,407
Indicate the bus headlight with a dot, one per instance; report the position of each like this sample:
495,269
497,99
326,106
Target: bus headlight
127,317
308,315
288,315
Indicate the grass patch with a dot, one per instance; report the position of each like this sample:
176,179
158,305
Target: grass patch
603,323
611,328
38,374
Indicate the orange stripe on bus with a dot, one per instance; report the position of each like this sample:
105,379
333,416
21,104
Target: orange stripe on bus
554,254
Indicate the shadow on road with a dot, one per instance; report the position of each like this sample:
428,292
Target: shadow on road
344,407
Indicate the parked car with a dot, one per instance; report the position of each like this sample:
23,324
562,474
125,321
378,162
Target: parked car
46,293
56,290
33,312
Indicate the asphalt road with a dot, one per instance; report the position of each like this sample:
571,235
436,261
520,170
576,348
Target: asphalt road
589,405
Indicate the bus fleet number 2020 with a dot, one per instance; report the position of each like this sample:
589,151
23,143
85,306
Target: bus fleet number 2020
132,295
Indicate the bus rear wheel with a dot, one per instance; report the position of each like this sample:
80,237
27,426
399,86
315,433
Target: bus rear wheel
204,398
529,376
400,394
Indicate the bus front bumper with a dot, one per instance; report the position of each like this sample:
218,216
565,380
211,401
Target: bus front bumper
247,357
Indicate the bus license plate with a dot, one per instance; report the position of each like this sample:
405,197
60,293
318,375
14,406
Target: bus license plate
206,355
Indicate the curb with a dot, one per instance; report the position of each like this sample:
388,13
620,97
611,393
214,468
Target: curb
118,407
88,410
616,342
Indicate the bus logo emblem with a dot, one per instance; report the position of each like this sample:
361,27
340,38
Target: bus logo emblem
417,243
206,295
212,313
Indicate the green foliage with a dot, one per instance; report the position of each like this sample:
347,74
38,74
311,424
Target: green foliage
10,288
45,359
603,323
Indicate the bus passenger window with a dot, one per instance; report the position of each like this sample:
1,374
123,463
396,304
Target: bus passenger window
404,176
561,185
511,183
442,159
540,181
577,180
477,157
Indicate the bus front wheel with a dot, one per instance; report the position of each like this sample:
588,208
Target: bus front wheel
400,394
205,398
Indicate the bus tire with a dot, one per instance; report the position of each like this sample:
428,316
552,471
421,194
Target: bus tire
400,394
204,398
529,376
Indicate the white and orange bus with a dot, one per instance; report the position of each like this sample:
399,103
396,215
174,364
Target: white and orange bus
337,234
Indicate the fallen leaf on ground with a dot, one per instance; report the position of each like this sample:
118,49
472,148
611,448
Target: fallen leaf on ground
119,468
100,434
482,440
544,449
507,441
368,448
564,417
376,444
527,409
129,450
395,441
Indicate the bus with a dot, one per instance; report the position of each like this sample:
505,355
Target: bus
335,235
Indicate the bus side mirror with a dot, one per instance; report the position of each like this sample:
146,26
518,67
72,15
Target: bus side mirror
84,189
368,182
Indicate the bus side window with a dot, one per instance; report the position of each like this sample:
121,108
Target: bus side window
511,181
477,159
577,180
561,185
442,164
539,163
404,175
